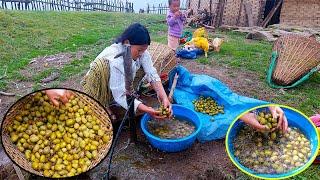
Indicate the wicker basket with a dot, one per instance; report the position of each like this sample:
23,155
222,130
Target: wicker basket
164,60
19,158
297,55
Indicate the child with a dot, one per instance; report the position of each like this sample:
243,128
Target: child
175,20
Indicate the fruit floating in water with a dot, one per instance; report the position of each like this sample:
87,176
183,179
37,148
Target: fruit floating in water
170,129
271,153
207,106
58,142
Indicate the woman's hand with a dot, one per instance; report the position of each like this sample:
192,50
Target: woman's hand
166,103
56,95
153,113
162,96
250,119
277,113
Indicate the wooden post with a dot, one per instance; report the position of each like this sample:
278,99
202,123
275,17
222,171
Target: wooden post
60,5
57,5
3,5
219,14
199,2
239,14
261,13
248,9
148,9
32,8
43,5
153,9
270,15
54,5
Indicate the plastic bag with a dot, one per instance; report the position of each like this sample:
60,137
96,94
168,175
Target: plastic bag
191,86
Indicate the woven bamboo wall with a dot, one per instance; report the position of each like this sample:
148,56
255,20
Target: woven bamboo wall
231,10
204,4
300,13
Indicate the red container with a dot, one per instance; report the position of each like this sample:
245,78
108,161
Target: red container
316,120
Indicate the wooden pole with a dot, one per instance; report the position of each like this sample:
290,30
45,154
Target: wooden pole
19,5
270,15
173,86
239,14
261,12
248,9
32,6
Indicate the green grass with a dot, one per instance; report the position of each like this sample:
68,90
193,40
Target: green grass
253,56
26,35
238,52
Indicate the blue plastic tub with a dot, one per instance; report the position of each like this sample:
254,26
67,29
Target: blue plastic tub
295,119
173,145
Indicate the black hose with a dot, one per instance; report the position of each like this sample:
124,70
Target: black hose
106,176
133,97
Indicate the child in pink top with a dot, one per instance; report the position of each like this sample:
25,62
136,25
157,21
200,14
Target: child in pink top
175,20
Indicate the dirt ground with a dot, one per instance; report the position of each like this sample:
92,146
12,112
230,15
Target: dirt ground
141,161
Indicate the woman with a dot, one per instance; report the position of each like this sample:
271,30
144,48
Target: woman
106,79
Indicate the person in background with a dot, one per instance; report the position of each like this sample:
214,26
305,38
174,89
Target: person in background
277,112
175,21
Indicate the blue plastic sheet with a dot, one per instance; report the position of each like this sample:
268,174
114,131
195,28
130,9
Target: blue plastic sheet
191,86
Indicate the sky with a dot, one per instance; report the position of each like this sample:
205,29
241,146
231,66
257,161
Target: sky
142,4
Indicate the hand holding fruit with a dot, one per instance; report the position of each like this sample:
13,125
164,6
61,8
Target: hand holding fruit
277,113
250,119
56,95
155,114
167,108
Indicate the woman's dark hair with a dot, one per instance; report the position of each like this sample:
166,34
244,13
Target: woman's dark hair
136,33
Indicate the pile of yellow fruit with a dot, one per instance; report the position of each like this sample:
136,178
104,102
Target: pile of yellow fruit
207,105
59,142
